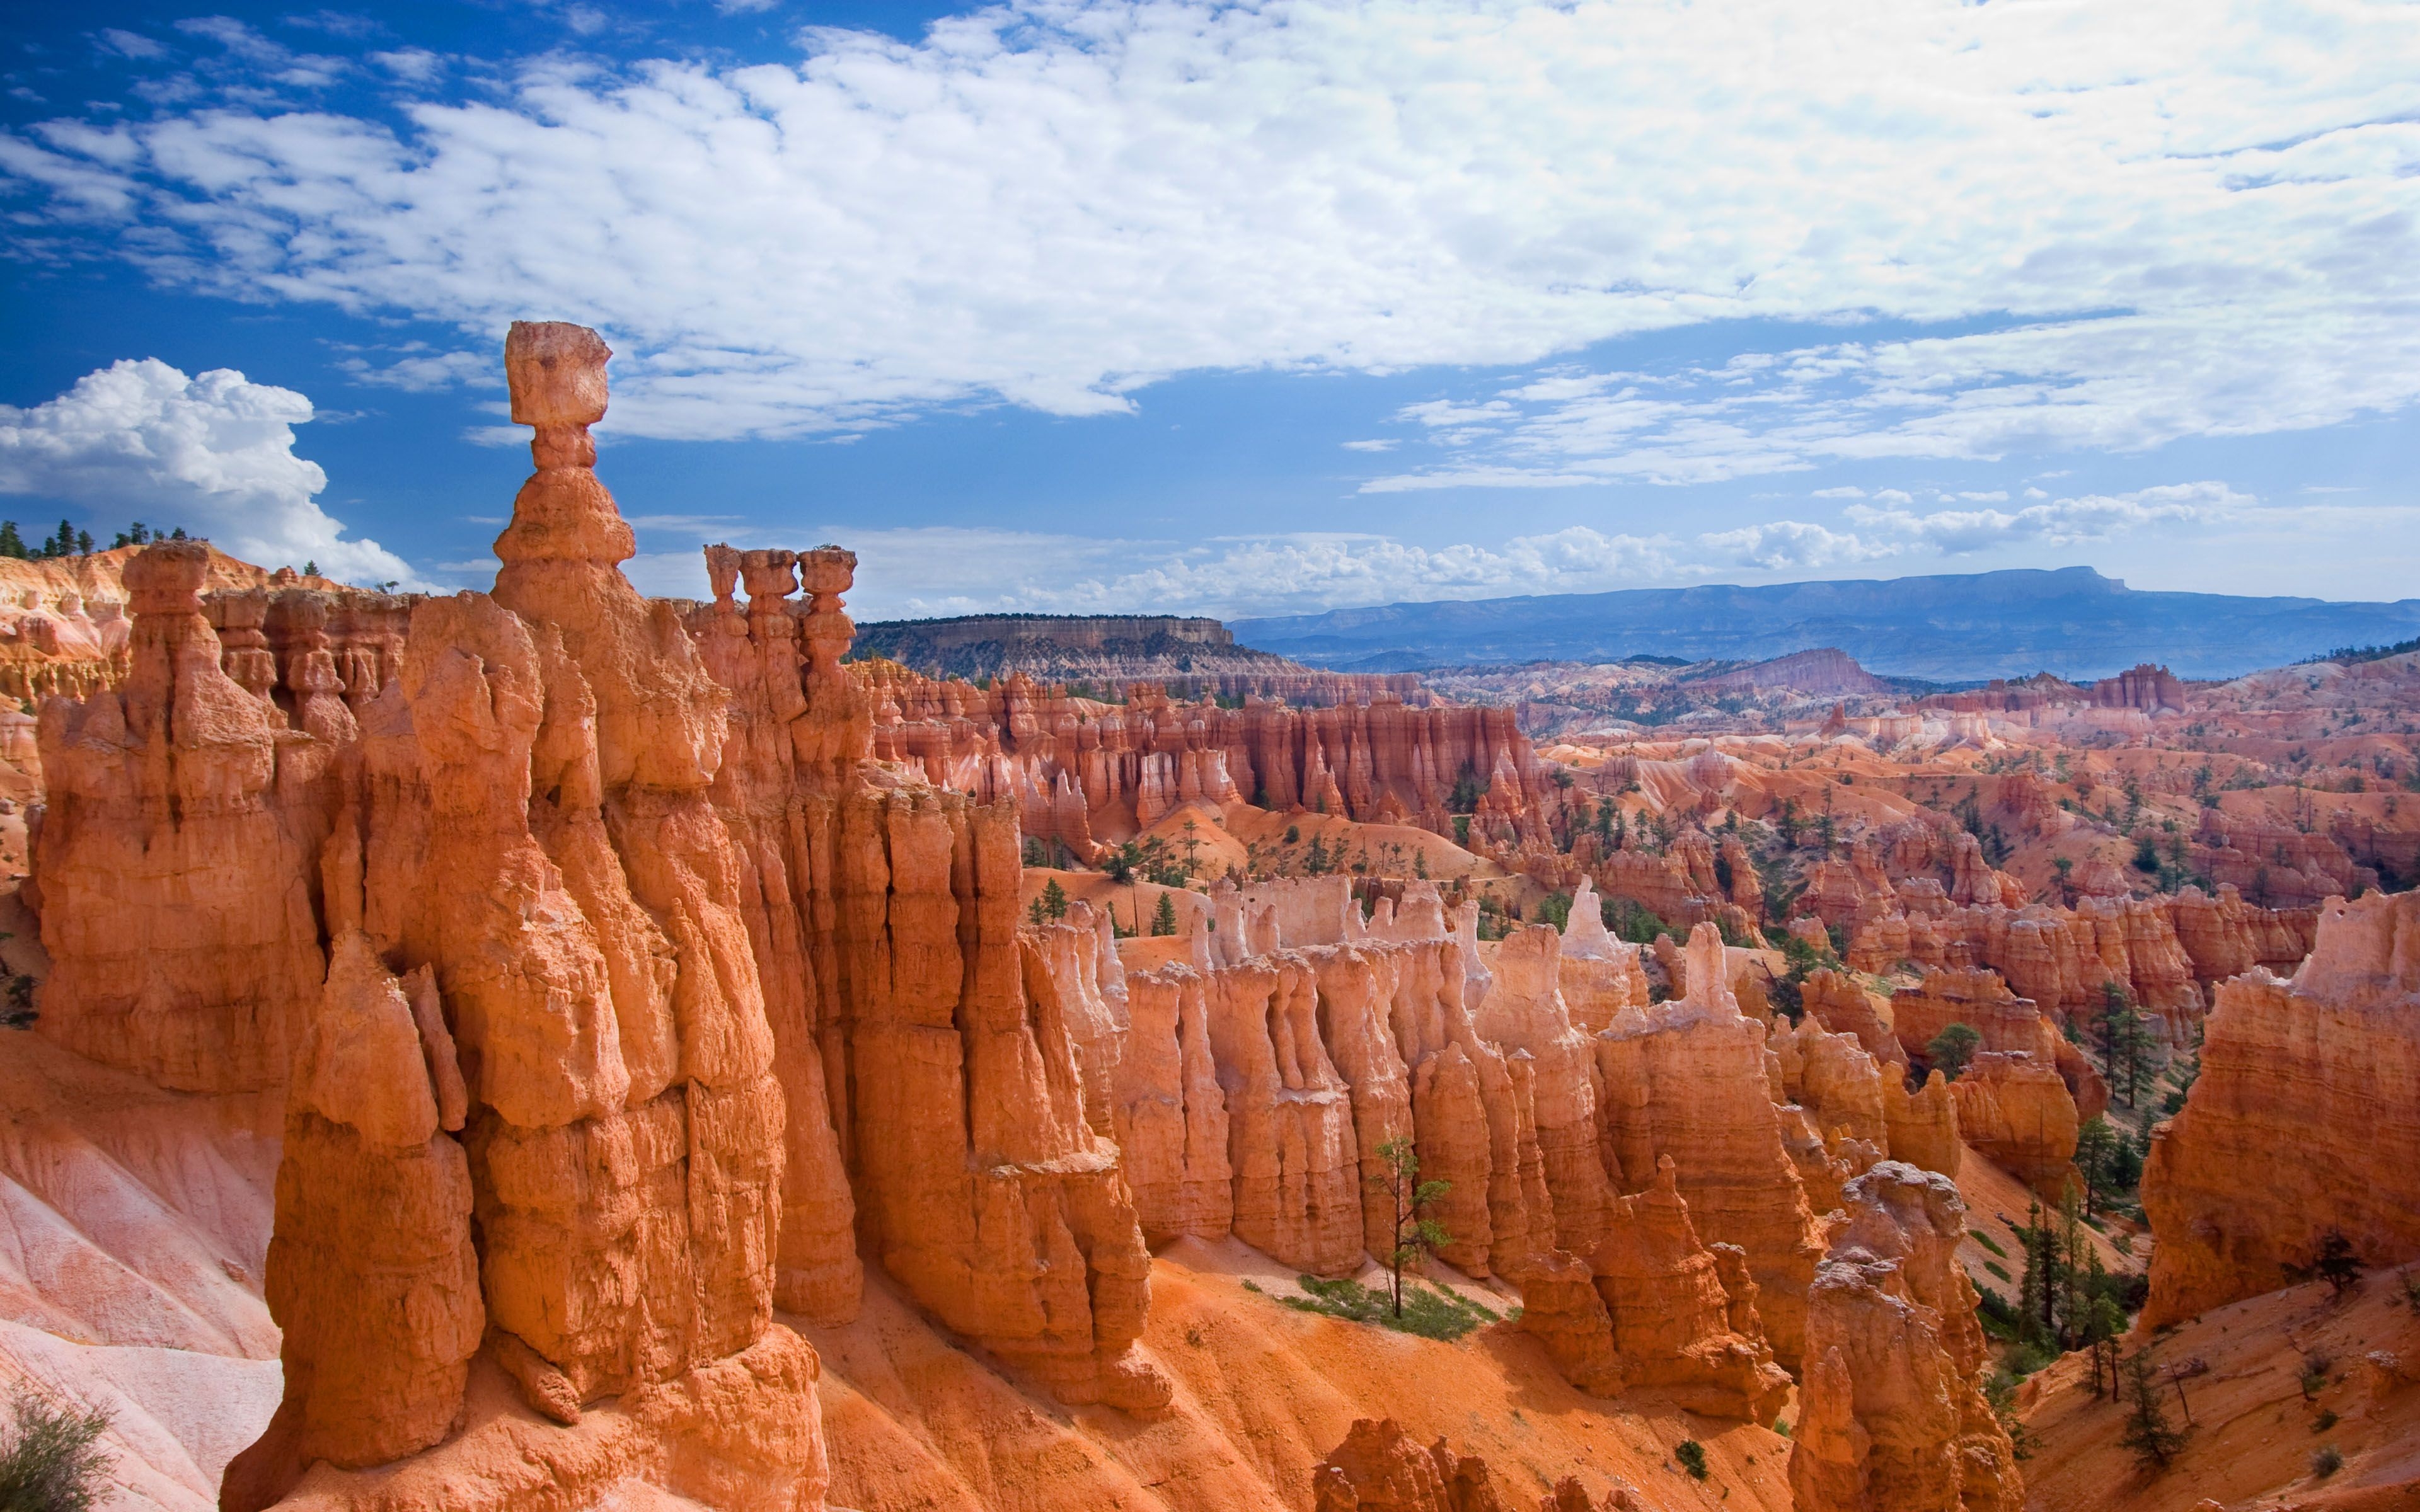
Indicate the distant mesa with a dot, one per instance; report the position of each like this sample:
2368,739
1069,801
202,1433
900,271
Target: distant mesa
1189,656
2073,623
1823,673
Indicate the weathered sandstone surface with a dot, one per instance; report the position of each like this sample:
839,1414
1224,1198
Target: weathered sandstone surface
1892,1415
1080,772
1686,1079
2303,1123
2015,1112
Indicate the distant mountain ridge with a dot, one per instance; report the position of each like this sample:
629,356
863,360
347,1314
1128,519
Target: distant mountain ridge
2071,620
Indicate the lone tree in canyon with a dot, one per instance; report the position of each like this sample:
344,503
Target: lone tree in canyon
1414,1236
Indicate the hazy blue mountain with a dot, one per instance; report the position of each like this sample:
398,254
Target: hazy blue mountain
2072,622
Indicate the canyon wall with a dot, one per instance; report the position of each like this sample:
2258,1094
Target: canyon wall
1082,773
2304,1122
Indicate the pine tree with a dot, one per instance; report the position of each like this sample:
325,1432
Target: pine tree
2154,1440
1053,902
1163,919
11,543
1953,1049
2096,1146
1415,1235
2104,1324
2074,1254
2037,1289
2106,1032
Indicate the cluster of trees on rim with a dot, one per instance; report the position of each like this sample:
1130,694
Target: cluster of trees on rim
67,541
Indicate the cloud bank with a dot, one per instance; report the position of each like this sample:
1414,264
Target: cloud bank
961,571
2142,220
213,454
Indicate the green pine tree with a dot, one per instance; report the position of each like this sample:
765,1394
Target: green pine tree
1163,919
1414,1236
2155,1440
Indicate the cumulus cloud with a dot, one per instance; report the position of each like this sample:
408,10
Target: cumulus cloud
2179,219
2061,522
2117,382
937,570
956,570
212,453
1792,545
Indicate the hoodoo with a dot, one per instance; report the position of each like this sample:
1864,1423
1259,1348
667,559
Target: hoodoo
621,1052
2303,1127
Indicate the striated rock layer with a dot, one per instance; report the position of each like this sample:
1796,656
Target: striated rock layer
1892,1416
1687,1079
537,944
595,938
2304,1122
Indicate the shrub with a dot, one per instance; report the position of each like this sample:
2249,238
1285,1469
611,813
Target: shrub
1987,1242
1953,1049
51,1461
2326,1420
1692,1456
2027,1357
2326,1460
1431,1311
2336,1264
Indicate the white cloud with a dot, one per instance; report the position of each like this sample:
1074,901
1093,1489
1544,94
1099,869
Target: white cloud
214,453
1851,492
412,65
131,44
1369,446
935,570
963,571
1794,546
2061,522
419,371
1057,202
2121,382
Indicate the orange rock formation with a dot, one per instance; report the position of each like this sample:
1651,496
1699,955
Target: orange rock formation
1892,1415
1686,1079
523,831
2303,1123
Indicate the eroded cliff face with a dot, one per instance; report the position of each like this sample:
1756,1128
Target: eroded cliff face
2303,1123
175,863
542,1016
619,993
1078,771
1312,1046
1892,1416
2015,1112
1378,1468
1683,1316
1687,1079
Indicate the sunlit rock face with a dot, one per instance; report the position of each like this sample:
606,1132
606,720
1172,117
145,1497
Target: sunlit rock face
2304,1122
1892,1413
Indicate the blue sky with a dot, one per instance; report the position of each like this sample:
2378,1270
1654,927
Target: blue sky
1239,309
